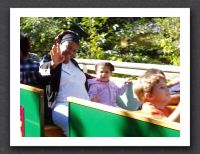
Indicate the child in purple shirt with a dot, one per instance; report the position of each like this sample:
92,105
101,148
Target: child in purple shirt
101,89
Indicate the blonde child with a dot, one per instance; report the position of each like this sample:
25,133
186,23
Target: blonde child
101,89
152,91
173,85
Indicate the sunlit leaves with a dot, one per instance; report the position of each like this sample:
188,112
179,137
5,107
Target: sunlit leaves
145,40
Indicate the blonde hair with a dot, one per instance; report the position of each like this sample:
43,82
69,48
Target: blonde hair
146,84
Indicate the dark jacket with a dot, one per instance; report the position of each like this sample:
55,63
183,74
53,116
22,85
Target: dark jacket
52,88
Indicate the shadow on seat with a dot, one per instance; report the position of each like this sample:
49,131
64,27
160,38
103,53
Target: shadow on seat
128,100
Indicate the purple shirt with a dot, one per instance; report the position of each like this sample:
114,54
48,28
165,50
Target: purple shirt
106,92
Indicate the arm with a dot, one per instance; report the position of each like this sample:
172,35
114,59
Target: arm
32,78
121,90
175,116
88,77
174,99
124,87
173,82
45,67
56,56
154,112
49,64
93,93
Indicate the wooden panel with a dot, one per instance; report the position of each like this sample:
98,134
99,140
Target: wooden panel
51,130
89,119
31,99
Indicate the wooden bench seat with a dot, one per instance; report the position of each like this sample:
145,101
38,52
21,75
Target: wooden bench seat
51,130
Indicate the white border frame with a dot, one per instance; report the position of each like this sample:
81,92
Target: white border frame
16,13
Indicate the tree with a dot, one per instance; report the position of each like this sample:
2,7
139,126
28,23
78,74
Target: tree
145,40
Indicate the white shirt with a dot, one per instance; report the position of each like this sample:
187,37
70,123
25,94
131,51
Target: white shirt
72,83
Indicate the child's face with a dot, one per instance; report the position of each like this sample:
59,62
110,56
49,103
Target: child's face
103,73
160,93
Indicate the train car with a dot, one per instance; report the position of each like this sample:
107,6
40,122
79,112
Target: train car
31,111
32,114
90,119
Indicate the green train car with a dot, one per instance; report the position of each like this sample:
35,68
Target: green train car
89,119
31,111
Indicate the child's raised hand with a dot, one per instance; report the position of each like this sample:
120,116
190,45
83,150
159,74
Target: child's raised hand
128,80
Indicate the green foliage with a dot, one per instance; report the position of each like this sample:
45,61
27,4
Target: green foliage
143,40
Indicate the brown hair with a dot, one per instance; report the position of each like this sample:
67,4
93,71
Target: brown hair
146,83
154,71
107,64
25,45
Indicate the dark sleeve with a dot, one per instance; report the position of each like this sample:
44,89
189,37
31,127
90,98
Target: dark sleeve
88,76
52,80
40,80
32,78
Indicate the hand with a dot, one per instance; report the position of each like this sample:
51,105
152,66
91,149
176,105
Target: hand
128,80
95,99
175,115
173,82
56,55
